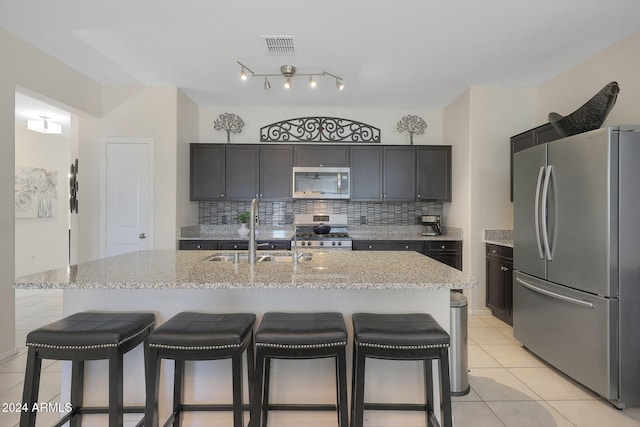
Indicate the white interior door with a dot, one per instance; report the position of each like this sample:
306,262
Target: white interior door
128,197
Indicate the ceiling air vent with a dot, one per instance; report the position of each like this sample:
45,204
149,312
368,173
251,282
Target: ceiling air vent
279,45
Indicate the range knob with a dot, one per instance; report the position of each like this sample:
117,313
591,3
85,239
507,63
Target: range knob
302,243
321,243
339,243
333,243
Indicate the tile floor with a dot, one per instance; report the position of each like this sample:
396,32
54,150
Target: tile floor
509,386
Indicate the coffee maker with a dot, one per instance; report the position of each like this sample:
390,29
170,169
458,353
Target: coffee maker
432,224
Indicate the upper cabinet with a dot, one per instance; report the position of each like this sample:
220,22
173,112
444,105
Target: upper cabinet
242,170
207,172
399,174
276,166
320,155
536,136
366,173
434,173
393,173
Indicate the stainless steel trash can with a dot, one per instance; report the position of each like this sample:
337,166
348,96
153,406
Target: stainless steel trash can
458,351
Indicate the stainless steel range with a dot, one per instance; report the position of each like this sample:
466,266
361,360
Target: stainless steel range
321,231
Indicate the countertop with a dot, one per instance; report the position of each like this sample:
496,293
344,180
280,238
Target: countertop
499,237
191,270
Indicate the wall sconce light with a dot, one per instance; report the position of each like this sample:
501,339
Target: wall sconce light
288,72
44,125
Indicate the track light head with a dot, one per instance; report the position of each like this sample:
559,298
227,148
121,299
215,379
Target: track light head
267,85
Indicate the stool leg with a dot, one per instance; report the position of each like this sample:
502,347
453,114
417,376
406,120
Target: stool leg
77,392
428,390
251,370
152,386
265,390
256,405
357,419
178,382
238,410
341,383
116,409
31,388
445,388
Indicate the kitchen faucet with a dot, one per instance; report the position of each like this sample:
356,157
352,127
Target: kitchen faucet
253,215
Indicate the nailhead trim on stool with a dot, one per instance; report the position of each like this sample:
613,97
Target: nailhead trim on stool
299,336
414,336
85,336
191,336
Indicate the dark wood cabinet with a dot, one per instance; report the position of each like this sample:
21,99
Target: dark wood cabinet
366,173
399,174
433,173
207,172
198,244
446,251
320,155
276,162
536,136
242,172
243,245
388,245
499,282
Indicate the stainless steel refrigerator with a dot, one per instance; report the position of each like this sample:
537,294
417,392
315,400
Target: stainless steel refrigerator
576,287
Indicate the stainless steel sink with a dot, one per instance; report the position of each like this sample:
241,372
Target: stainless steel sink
261,257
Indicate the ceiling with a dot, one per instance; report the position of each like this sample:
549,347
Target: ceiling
400,54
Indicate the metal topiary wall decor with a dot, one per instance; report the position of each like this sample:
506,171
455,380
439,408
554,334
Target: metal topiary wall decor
412,124
229,123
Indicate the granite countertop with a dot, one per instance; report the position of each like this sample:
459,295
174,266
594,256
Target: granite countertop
191,270
499,237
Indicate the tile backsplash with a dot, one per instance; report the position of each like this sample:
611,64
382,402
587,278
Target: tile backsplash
358,213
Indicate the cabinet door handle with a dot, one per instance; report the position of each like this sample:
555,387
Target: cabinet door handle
406,246
199,246
493,251
503,268
369,246
443,247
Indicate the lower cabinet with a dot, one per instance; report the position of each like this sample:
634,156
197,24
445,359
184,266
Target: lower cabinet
388,245
198,245
446,251
500,282
243,245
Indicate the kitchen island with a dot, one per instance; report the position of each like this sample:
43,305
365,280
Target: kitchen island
167,282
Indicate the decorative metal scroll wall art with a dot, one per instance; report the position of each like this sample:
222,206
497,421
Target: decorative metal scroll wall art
73,187
319,129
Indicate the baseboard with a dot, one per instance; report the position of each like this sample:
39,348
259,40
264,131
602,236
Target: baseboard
8,354
480,312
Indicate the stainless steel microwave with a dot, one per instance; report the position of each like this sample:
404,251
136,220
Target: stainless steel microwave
321,182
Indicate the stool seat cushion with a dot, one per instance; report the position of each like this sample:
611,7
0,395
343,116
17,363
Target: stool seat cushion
398,330
193,330
301,329
91,329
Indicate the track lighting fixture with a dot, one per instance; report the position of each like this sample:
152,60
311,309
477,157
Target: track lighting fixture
288,72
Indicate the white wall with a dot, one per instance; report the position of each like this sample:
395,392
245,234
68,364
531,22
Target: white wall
188,121
140,112
620,62
27,67
42,243
385,120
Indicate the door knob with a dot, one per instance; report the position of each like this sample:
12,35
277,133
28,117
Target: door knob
142,236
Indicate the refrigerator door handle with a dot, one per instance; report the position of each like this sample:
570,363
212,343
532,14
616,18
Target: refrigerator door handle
555,295
545,206
537,212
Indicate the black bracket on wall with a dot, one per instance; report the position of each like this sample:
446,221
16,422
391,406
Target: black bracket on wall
319,129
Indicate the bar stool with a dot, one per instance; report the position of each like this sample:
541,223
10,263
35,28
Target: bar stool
415,336
299,336
85,336
190,336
